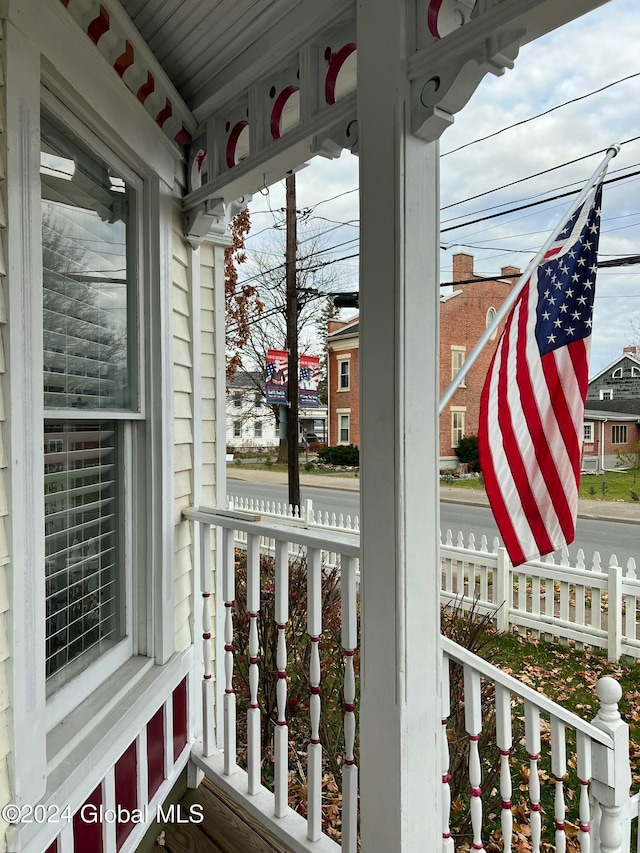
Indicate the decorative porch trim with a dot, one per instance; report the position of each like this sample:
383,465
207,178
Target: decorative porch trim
126,51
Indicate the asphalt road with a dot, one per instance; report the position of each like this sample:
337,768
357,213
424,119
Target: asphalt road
606,537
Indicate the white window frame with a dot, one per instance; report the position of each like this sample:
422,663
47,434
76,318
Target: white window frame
617,373
458,357
491,315
88,678
635,371
588,432
620,429
237,429
344,360
151,597
606,393
257,429
346,414
457,412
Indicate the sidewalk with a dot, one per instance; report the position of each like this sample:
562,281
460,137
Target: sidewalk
598,510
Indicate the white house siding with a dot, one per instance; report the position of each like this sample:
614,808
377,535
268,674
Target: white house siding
208,374
5,786
183,420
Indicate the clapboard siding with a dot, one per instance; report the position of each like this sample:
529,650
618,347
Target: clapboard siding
5,785
183,435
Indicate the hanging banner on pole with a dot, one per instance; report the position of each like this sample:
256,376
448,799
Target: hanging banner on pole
308,381
277,377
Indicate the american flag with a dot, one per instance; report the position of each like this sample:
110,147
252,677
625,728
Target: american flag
532,404
305,373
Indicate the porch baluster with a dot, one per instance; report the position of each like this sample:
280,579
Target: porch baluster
584,776
229,594
314,750
208,706
254,751
559,770
447,840
281,734
473,726
504,738
349,644
532,740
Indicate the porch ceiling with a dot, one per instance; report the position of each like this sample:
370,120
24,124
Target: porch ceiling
211,48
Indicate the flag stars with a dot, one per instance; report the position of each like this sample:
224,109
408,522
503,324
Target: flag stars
551,339
569,330
569,292
557,323
575,277
582,300
581,262
564,308
576,315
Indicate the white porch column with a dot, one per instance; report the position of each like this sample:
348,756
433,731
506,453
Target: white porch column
399,279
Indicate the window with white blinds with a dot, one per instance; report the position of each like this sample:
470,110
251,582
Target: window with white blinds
89,368
81,543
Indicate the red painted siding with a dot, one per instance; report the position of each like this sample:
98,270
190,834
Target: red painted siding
87,833
155,751
126,772
179,718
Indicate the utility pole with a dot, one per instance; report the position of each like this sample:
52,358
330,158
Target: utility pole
293,457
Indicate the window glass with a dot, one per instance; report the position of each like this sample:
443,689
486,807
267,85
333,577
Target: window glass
81,545
257,429
90,367
588,433
344,374
89,318
344,429
237,429
619,434
457,428
457,360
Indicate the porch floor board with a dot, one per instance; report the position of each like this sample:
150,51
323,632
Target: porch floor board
226,827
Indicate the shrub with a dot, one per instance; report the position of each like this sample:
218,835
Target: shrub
342,454
468,453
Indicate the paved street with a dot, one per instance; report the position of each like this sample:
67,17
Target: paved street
604,526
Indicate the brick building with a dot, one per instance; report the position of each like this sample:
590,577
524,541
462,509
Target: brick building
343,382
464,315
612,414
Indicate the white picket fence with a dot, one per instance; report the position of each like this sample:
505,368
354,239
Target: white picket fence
590,603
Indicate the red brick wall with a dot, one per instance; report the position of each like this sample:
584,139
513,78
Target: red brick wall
462,321
344,399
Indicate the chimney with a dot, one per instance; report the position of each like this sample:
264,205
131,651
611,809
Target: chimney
462,267
334,325
632,350
510,272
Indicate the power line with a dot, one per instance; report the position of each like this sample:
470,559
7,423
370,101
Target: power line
540,115
535,175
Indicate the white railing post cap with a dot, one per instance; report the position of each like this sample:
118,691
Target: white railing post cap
609,693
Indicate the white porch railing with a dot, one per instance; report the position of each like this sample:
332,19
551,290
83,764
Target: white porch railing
590,603
588,761
218,756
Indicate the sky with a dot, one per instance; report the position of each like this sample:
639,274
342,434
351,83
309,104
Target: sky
593,52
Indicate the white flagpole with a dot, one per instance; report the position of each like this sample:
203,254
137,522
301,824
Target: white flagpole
509,301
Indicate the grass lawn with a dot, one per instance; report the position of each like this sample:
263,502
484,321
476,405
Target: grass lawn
612,486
